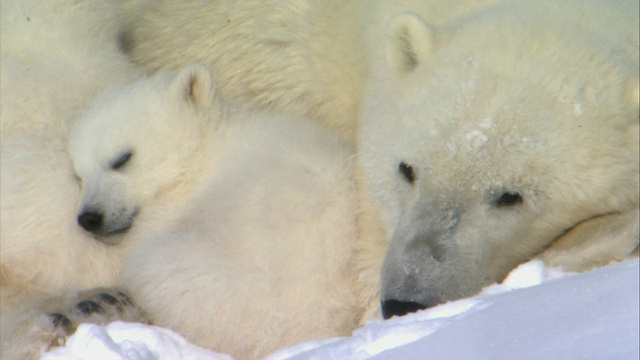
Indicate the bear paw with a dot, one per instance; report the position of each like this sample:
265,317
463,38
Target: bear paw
36,324
98,306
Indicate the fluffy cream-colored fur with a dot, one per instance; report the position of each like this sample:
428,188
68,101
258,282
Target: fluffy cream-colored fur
294,57
299,57
56,56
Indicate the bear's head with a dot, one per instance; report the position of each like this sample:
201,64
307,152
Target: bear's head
482,144
139,146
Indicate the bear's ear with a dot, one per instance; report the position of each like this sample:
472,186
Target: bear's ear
410,41
195,85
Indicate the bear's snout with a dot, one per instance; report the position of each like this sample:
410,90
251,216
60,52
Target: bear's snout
393,307
91,221
105,226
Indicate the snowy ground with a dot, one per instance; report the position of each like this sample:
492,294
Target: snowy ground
536,313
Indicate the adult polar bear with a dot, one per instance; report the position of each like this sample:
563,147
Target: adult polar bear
304,57
460,90
404,79
515,131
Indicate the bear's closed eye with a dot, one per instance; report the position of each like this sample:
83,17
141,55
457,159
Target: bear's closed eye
121,160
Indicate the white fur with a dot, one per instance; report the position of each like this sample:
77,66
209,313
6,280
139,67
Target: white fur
301,57
56,55
538,98
297,57
543,101
243,237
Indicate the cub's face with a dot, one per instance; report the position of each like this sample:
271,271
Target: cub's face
476,169
135,146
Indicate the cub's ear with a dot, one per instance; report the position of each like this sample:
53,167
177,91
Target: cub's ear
194,84
410,41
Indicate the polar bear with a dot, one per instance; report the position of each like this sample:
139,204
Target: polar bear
239,226
55,56
486,140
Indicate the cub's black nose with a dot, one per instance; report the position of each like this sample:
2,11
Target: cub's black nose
90,221
393,307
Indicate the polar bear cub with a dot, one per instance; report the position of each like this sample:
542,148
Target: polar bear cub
240,226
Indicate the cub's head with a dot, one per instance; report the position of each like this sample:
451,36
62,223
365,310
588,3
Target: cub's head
138,145
481,148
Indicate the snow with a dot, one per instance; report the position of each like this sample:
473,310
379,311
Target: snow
536,313
128,341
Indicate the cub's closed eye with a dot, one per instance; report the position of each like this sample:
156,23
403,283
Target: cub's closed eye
407,171
121,160
509,199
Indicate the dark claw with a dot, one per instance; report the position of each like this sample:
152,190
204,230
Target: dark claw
108,299
62,321
89,307
124,299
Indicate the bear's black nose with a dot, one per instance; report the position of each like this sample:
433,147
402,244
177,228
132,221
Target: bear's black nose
393,307
90,221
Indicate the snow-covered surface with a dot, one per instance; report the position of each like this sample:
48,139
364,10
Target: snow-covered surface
536,313
128,341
